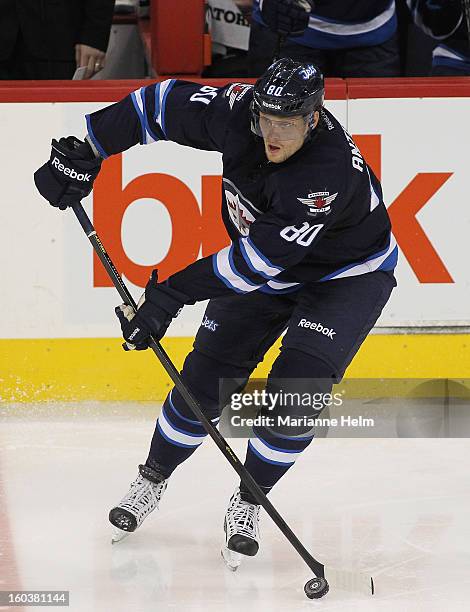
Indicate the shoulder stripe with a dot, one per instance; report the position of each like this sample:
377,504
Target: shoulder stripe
163,91
138,99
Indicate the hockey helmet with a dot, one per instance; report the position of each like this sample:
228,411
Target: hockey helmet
287,89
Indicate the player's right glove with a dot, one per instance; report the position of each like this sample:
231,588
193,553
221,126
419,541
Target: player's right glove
69,174
286,17
155,311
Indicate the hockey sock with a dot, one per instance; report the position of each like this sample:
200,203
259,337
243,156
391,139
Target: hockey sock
269,456
176,435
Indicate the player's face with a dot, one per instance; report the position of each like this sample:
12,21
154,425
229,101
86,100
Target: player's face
283,137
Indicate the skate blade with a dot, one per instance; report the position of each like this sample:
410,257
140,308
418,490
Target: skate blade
119,535
231,558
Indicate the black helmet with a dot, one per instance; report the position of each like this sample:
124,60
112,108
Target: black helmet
287,88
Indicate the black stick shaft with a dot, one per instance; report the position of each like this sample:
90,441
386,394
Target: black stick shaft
316,567
280,42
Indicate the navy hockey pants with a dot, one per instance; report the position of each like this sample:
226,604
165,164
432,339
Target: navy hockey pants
326,324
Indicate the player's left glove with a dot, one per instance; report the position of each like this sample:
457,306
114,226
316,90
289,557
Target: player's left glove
155,311
286,17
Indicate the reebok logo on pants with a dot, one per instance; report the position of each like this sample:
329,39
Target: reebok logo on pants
318,327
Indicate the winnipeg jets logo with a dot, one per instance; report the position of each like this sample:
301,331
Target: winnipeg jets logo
242,212
239,214
319,202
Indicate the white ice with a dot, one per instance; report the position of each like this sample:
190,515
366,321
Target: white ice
396,508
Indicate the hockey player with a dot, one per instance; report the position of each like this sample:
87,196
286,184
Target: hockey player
311,252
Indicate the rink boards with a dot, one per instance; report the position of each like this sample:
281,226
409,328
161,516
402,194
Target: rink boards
160,207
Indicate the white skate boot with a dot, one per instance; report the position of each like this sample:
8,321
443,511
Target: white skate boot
143,497
241,531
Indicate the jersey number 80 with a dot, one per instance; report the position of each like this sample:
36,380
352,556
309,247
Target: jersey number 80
303,236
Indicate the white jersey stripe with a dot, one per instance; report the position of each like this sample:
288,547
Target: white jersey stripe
374,198
366,266
441,51
344,29
164,87
139,98
281,284
228,273
258,262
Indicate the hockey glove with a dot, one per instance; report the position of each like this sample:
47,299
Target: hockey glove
69,174
155,310
286,17
441,16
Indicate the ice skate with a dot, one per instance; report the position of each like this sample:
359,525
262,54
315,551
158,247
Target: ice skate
142,498
241,531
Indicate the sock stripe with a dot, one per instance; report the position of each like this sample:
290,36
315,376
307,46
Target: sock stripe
173,442
183,418
178,436
279,457
198,433
264,458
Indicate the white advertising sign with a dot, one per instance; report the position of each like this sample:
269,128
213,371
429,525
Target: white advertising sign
159,206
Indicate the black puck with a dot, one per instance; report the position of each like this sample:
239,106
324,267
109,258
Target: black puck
316,588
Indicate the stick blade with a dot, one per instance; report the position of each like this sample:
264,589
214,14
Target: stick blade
356,582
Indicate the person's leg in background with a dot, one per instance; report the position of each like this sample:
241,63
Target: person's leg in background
369,62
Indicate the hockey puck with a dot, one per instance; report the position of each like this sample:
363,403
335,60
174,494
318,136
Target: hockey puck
316,588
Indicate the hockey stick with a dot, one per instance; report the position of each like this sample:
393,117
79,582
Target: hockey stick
281,38
318,586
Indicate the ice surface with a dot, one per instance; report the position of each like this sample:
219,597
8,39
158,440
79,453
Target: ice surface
397,508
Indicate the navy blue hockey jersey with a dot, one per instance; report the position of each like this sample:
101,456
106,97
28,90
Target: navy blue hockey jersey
317,216
446,22
345,24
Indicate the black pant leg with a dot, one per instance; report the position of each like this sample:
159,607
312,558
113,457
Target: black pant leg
369,62
332,319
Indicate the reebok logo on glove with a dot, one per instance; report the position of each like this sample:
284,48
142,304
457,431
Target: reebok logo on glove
134,334
70,171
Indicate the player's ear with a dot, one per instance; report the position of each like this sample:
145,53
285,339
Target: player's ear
316,119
